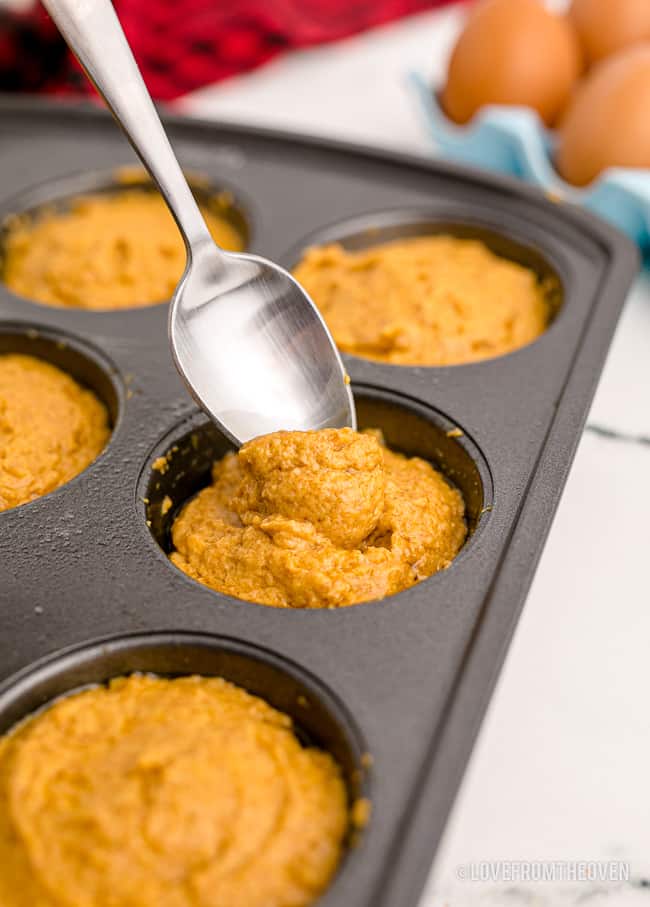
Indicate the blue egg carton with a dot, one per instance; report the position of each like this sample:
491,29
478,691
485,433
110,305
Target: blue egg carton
514,140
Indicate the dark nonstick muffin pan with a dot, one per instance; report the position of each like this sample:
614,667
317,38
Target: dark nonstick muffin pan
87,591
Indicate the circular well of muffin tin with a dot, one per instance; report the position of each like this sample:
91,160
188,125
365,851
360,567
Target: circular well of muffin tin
57,196
320,719
370,230
86,365
191,448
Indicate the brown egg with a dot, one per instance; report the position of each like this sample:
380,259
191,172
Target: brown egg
607,123
512,52
606,26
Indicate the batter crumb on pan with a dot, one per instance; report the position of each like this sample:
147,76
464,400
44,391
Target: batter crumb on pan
361,811
161,465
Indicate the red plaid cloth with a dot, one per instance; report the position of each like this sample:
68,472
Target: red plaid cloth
182,45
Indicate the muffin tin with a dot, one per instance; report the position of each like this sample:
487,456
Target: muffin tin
395,689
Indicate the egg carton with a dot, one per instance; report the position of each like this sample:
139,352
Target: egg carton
514,140
395,689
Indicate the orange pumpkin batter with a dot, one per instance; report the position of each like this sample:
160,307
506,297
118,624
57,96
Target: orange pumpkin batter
166,793
51,428
431,300
318,520
109,251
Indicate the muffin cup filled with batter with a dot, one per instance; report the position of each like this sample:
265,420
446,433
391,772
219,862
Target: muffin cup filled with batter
317,520
57,409
238,782
115,246
422,293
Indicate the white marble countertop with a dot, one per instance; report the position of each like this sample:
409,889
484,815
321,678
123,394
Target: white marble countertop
560,771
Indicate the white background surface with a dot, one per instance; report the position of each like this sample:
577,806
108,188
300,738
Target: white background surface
561,768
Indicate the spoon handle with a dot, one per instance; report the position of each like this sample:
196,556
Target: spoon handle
94,34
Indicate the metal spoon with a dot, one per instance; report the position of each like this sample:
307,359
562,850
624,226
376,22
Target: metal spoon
248,341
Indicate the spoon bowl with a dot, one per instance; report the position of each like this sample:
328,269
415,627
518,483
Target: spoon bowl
254,350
